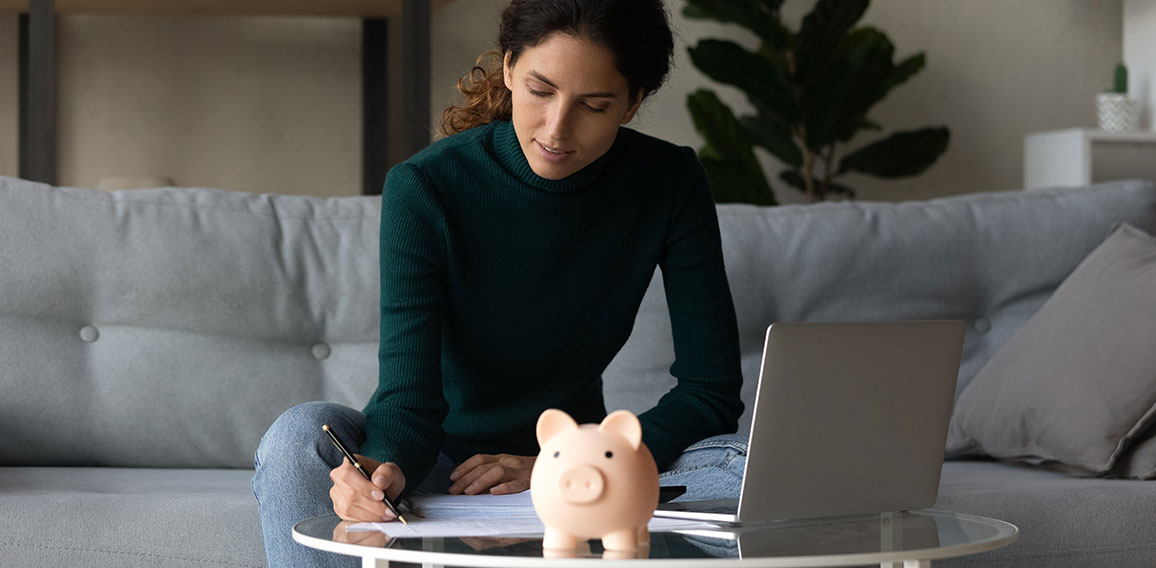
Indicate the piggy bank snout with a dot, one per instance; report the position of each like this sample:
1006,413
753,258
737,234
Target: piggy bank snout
580,484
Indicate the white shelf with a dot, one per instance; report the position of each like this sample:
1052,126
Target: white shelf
1083,156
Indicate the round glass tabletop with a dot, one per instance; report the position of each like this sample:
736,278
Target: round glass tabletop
846,541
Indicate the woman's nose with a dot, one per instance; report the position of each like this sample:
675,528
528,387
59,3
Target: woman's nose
558,122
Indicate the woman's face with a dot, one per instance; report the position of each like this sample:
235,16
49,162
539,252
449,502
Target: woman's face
568,101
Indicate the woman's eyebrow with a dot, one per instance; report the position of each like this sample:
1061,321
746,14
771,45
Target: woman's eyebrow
542,78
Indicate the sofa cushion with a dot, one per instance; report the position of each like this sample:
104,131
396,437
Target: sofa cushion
1077,382
1064,522
77,516
170,327
1138,462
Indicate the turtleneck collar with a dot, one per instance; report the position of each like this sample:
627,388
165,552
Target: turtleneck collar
509,154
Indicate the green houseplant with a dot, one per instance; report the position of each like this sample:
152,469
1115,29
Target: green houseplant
811,91
1115,110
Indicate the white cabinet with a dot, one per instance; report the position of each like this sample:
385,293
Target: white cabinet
1081,156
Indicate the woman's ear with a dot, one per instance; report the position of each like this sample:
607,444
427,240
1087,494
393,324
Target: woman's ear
508,71
629,115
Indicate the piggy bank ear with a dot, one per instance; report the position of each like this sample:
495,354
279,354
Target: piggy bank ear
624,423
551,422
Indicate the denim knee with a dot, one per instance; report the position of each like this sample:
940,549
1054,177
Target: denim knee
296,438
716,451
291,481
710,469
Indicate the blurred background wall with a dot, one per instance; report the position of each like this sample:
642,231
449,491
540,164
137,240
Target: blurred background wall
272,104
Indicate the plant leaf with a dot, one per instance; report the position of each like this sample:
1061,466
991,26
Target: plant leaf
821,32
731,185
793,179
774,137
854,81
728,157
902,154
761,17
767,5
764,83
906,68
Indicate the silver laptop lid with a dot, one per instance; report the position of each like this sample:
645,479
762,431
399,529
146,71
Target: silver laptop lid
850,418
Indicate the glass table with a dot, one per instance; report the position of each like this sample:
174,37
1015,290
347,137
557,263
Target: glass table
909,539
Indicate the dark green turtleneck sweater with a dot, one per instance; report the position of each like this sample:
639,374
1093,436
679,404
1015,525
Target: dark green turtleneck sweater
504,293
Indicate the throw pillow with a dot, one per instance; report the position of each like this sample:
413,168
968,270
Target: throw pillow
1077,381
1139,462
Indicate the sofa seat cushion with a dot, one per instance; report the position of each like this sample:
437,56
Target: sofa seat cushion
1063,521
74,516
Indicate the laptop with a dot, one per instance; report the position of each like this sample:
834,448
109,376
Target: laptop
849,419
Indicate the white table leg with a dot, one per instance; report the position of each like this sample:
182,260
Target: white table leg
432,545
889,538
916,564
374,563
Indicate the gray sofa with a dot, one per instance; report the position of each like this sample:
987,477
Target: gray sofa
149,337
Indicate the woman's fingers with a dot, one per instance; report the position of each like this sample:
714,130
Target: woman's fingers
482,472
468,478
469,465
516,486
491,477
389,478
356,498
358,510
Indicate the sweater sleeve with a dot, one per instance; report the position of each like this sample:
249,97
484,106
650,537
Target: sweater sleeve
404,416
706,400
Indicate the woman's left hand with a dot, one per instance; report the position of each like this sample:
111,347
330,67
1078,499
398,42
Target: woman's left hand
497,474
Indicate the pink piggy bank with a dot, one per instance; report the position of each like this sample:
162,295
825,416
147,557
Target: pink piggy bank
593,481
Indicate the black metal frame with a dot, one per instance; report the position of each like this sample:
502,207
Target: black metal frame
415,51
38,92
374,104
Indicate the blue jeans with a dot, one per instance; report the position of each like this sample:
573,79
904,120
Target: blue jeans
293,461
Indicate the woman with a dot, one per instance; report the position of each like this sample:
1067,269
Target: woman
514,256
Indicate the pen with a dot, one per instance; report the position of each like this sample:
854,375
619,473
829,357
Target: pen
357,464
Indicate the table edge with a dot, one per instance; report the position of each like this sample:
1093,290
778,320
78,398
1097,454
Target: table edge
854,559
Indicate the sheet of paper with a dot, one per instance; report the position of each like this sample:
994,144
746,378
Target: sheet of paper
484,505
487,515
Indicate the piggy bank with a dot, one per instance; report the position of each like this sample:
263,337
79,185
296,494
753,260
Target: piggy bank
593,481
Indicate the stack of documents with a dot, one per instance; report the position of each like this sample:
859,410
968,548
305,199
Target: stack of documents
487,515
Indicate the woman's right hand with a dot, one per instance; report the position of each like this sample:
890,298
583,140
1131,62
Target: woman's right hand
357,499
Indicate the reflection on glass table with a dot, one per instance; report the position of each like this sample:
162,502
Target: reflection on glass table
912,539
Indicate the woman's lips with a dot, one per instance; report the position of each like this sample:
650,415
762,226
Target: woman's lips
552,155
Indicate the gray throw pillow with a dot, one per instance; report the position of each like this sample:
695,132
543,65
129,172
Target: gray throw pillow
1139,462
1077,382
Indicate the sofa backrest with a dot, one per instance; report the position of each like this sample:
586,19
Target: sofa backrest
170,327
990,259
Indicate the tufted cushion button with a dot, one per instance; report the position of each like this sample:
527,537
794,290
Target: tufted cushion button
321,351
88,334
981,325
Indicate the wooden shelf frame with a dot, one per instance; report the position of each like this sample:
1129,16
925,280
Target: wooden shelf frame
38,96
348,8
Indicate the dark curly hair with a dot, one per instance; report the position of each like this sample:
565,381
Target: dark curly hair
637,32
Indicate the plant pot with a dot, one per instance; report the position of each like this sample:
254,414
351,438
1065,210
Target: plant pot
1117,112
